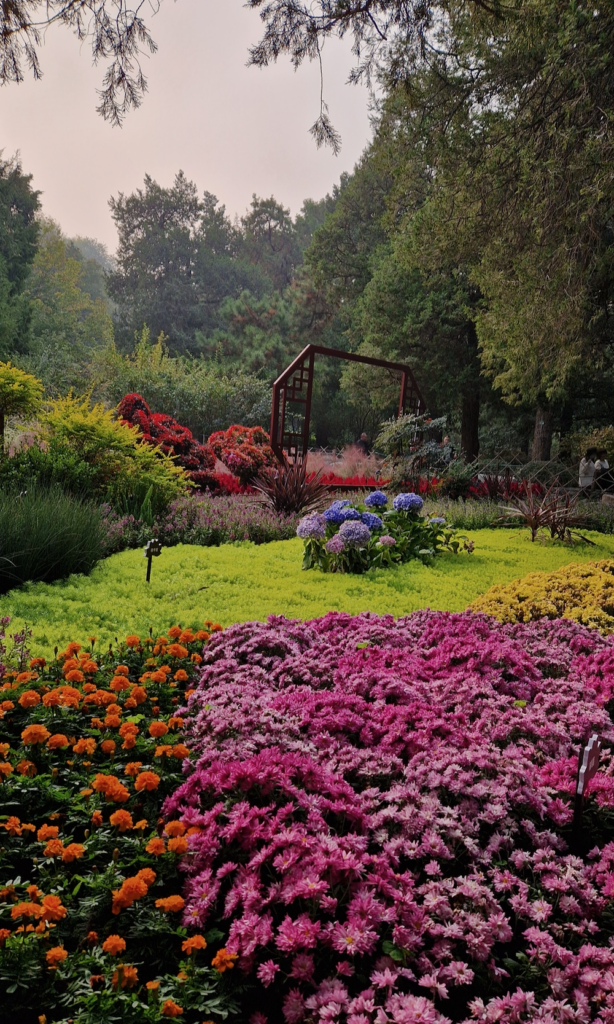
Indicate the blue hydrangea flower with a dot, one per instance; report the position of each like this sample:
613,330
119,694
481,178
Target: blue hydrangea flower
350,513
335,545
407,503
312,527
354,534
372,521
438,520
376,500
334,515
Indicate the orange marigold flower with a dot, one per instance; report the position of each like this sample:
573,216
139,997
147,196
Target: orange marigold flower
97,723
158,676
96,818
64,696
138,694
27,768
72,852
146,780
57,740
223,961
129,703
196,659
181,675
89,688
119,683
107,746
46,832
73,647
128,729
37,662
29,699
164,750
170,1009
141,824
52,909
5,768
129,743
112,721
55,956
202,635
176,651
69,663
157,729
153,986
54,848
88,667
86,745
74,675
216,628
25,677
92,937
171,904
114,944
122,820
175,828
180,750
155,846
179,845
26,909
4,934
175,722
128,974
187,637
133,767
35,734
132,640
193,943
174,632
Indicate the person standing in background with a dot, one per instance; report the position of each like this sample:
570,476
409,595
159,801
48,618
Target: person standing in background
586,473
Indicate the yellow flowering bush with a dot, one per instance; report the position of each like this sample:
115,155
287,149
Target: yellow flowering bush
584,592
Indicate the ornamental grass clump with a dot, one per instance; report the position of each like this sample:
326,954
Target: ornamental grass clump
91,877
584,592
351,537
383,813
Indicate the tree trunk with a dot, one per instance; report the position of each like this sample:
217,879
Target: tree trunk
470,419
1,431
542,437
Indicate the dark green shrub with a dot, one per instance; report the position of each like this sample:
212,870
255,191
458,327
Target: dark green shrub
54,465
47,535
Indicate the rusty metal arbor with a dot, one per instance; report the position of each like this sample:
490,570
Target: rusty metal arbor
295,385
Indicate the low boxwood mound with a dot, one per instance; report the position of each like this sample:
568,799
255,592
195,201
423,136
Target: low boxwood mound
381,818
581,592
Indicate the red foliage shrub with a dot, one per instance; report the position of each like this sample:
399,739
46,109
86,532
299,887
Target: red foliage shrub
244,450
159,429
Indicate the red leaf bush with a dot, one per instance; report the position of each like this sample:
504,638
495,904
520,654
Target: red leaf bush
244,450
159,429
384,818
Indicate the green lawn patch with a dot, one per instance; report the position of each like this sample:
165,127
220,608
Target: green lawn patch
239,582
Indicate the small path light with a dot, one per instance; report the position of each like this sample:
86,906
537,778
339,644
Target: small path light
588,764
153,547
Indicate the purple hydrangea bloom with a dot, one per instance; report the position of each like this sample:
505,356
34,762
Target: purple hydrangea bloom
312,527
335,545
376,500
407,503
334,515
354,534
386,541
372,521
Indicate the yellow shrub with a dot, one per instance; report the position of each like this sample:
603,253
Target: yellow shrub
584,592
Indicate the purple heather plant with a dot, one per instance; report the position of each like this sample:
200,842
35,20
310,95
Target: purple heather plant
380,818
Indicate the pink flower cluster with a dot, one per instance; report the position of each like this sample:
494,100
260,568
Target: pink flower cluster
385,818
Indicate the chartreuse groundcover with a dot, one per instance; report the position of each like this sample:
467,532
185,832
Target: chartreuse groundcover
244,582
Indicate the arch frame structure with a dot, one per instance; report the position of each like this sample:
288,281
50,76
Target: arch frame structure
295,385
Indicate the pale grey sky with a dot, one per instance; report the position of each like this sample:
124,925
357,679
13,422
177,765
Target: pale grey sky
233,130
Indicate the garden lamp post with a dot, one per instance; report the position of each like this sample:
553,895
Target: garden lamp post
152,548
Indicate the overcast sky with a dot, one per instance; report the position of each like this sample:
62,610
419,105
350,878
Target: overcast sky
233,130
